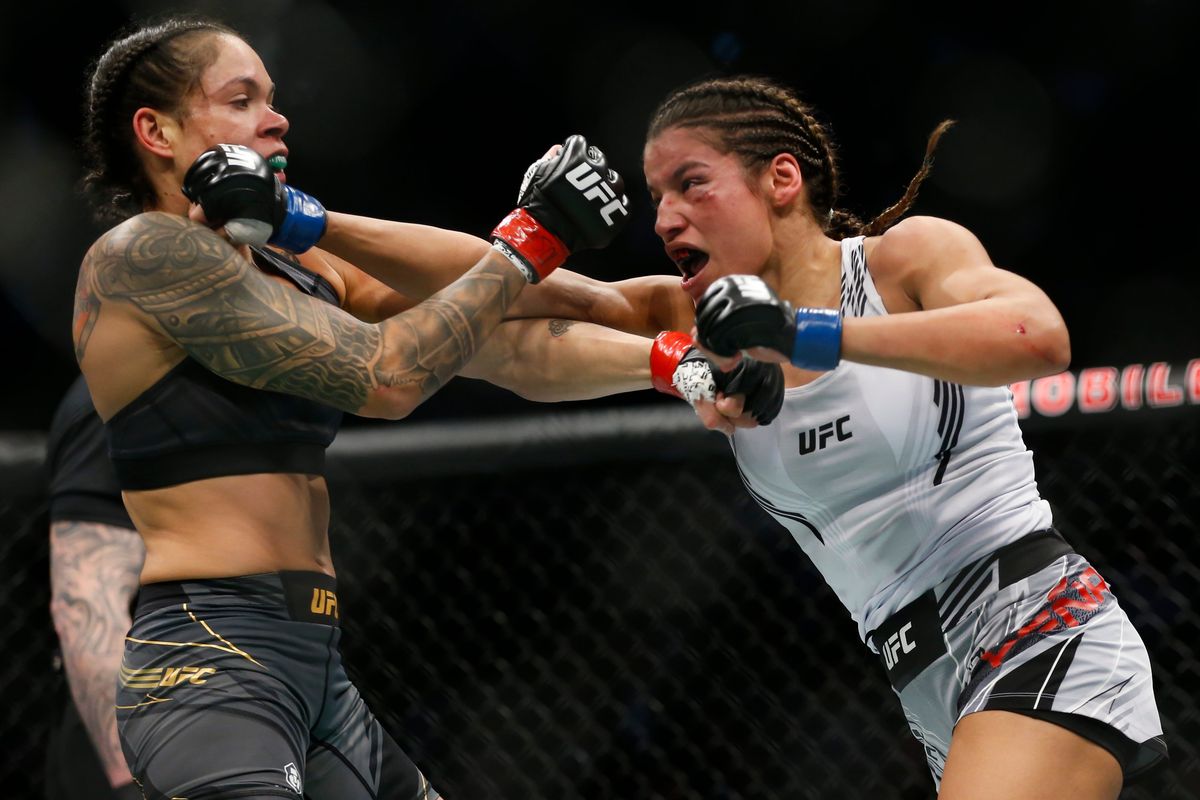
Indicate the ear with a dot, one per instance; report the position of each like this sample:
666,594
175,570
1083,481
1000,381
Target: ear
155,131
782,180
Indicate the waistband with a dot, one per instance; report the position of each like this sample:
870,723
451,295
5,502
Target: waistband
297,595
923,621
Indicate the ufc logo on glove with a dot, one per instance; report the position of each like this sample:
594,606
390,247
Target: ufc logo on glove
582,177
241,156
752,288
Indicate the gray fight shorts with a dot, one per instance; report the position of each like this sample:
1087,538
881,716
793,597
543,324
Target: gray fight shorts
234,687
1033,629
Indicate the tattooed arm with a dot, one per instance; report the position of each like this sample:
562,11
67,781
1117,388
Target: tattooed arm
558,359
190,285
93,576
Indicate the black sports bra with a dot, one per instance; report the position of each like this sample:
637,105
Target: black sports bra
194,424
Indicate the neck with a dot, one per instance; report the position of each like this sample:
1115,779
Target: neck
168,194
806,269
170,199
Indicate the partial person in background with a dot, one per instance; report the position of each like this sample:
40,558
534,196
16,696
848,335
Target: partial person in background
95,558
896,462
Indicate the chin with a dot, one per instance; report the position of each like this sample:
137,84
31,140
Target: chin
696,287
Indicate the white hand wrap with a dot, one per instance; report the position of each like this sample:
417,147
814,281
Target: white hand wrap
694,380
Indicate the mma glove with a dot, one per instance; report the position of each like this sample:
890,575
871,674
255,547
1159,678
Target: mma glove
677,367
738,312
568,202
237,188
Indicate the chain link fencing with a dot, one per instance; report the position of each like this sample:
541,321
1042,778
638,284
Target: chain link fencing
589,605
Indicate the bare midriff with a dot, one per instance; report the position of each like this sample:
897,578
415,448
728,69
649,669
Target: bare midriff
233,525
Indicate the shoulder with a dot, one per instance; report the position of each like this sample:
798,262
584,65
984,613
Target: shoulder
147,223
920,244
136,249
130,238
160,228
919,239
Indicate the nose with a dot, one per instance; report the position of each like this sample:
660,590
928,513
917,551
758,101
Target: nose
668,222
275,125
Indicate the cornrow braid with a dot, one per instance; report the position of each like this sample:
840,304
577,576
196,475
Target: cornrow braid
890,215
156,66
757,119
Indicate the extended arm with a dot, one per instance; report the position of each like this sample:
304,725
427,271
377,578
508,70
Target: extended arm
93,576
235,188
415,260
643,306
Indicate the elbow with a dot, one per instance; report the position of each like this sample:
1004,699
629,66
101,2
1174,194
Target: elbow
390,402
1061,358
540,394
1055,351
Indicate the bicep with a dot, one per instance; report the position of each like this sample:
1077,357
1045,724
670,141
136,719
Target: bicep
974,283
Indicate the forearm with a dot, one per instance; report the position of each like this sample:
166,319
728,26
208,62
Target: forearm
423,348
990,342
416,260
642,306
553,360
94,571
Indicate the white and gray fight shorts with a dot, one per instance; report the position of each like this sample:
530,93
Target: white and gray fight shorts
1031,628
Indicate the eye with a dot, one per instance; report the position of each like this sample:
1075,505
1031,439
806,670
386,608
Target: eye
242,102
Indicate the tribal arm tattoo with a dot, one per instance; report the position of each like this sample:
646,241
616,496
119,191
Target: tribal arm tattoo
94,572
257,332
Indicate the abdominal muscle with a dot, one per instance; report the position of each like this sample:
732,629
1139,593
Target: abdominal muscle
233,525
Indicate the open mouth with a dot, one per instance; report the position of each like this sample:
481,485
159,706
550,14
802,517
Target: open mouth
689,261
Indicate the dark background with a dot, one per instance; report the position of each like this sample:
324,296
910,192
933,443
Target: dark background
1073,160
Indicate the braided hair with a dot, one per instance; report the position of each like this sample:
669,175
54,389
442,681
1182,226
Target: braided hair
155,65
757,119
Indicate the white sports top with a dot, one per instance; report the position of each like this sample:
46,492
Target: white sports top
891,481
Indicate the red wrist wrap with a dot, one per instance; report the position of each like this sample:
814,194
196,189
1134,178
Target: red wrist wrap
668,350
544,251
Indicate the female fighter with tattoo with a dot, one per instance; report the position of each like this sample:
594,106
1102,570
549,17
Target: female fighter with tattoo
222,371
896,461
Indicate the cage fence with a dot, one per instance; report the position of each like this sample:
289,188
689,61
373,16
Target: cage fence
590,605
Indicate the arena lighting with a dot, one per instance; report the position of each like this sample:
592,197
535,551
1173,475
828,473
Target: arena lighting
1154,386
